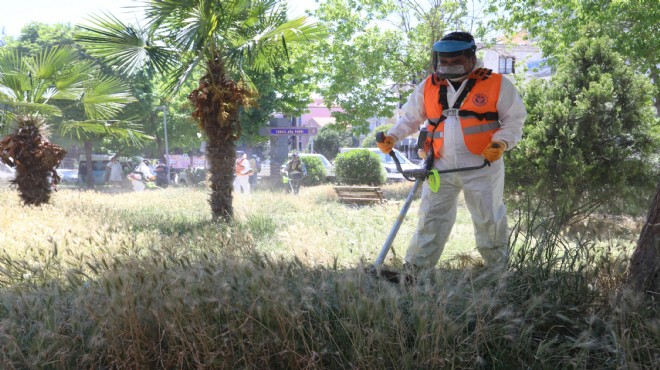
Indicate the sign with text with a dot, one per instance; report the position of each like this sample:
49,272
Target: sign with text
183,161
287,131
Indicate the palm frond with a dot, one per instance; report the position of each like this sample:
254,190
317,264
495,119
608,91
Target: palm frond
71,77
263,49
7,94
48,62
35,109
14,73
180,75
105,98
129,49
122,130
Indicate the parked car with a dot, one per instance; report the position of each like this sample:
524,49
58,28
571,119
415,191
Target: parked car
7,174
68,176
191,176
329,167
99,166
388,164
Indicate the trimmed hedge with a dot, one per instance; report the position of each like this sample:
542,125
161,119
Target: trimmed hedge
359,167
315,171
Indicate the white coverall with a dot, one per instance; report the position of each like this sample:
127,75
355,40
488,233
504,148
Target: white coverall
483,188
243,180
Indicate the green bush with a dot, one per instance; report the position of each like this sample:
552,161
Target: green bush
359,167
315,171
587,140
370,140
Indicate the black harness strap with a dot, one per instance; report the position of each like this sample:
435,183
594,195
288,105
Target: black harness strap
488,116
443,97
468,87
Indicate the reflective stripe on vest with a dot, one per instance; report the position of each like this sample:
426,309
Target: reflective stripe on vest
479,104
482,128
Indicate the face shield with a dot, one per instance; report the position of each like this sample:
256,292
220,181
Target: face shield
451,59
451,72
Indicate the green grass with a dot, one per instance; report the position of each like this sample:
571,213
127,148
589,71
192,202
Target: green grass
146,280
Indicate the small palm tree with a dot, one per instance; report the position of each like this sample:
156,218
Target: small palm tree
38,87
34,157
224,38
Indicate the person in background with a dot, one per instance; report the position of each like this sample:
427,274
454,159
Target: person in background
254,170
82,172
295,170
116,175
161,174
242,179
144,170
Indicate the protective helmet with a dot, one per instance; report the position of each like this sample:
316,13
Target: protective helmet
452,45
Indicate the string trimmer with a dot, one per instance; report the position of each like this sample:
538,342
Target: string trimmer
418,176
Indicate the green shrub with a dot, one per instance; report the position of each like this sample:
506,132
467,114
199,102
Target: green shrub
315,171
359,167
587,137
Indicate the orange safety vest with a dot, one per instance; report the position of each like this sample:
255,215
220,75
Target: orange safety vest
240,167
476,108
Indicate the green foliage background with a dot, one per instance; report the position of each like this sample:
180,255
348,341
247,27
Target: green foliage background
330,138
588,139
370,140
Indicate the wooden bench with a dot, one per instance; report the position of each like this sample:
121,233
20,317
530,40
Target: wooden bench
359,194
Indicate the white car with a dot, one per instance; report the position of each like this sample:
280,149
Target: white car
393,175
67,176
7,174
329,167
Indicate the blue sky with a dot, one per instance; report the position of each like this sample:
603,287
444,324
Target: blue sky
17,13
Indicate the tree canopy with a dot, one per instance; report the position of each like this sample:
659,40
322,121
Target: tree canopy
555,25
380,49
587,141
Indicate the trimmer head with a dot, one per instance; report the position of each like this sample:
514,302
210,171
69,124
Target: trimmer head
395,277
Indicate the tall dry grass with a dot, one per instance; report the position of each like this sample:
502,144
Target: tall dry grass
147,281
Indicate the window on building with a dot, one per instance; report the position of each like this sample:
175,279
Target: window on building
507,65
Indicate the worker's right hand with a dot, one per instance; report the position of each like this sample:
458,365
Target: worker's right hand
387,144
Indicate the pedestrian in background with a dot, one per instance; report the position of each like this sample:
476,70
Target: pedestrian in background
242,179
254,170
115,172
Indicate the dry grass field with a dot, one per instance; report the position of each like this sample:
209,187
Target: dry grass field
146,280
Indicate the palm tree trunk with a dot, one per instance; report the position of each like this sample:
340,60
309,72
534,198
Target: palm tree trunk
221,154
217,102
644,270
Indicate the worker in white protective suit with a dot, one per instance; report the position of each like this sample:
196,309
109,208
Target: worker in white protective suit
471,114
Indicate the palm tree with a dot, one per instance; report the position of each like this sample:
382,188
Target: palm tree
223,38
34,157
31,86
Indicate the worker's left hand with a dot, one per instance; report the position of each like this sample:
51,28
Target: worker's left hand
494,150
